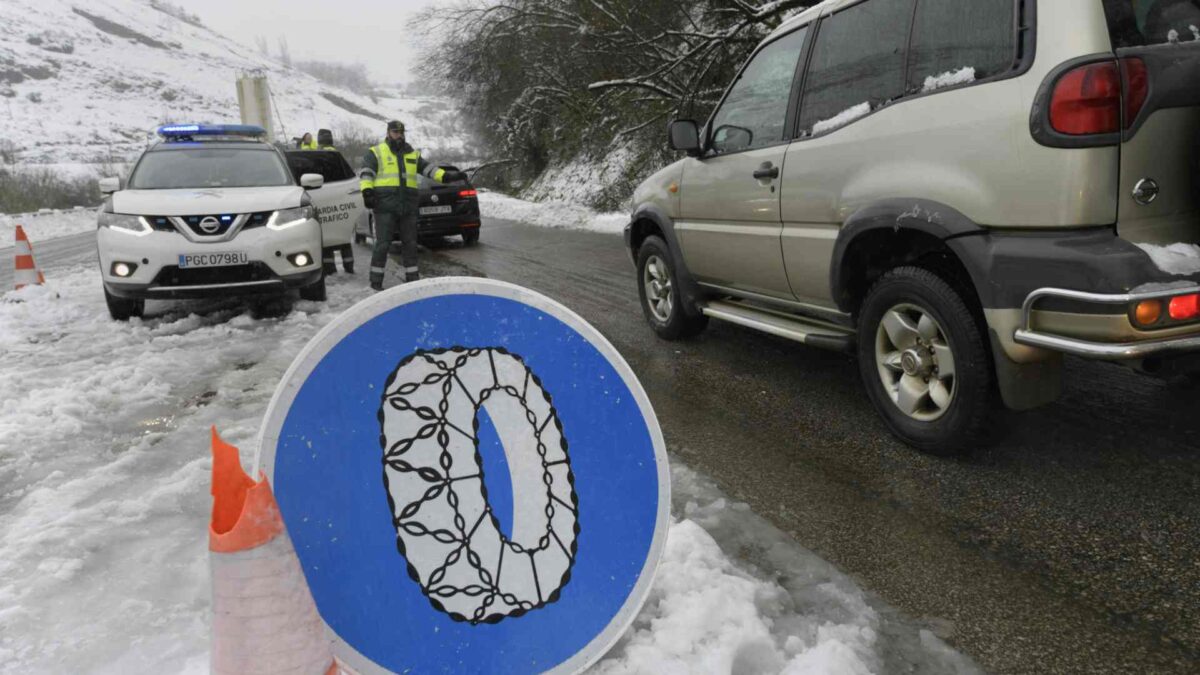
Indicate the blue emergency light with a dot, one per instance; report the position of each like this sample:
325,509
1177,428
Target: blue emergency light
187,131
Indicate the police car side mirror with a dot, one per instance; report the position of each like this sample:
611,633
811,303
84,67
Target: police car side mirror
311,181
110,185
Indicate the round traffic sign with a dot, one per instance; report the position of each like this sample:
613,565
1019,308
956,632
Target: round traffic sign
473,479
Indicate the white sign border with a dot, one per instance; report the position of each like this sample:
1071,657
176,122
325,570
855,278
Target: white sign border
333,333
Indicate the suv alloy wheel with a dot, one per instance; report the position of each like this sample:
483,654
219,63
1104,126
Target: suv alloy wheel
658,291
924,361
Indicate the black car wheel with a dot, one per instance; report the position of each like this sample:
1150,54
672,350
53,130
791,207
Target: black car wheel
470,237
123,309
314,291
924,361
658,289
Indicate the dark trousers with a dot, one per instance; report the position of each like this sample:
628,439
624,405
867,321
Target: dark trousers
347,251
389,226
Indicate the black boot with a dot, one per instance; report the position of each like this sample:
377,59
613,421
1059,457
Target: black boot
377,285
412,276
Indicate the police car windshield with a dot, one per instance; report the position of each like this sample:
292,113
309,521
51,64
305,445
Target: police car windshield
196,167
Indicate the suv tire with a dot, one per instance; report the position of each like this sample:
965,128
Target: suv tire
658,290
123,309
470,237
314,291
913,324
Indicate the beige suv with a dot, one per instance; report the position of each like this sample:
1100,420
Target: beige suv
961,191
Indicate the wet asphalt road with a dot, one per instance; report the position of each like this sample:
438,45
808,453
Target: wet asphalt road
1071,543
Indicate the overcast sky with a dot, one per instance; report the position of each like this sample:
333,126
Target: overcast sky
368,31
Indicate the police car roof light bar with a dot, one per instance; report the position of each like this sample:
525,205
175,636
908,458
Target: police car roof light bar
187,131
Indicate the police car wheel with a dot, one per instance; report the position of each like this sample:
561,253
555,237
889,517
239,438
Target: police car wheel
315,291
123,309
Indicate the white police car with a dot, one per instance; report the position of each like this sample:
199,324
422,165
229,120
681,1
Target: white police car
210,210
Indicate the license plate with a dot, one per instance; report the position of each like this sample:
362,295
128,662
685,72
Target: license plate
213,259
435,210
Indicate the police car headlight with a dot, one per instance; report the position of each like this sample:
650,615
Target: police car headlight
285,218
120,222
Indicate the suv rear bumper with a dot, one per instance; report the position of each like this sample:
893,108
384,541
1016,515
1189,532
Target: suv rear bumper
1149,346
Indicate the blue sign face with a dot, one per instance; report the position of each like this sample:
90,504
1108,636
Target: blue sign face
473,480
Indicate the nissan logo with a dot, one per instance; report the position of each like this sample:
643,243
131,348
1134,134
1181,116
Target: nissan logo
210,225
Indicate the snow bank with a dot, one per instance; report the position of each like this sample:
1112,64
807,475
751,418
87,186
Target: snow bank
555,214
949,79
582,179
843,118
46,225
1178,259
104,504
736,595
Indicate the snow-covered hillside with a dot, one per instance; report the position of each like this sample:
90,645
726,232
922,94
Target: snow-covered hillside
85,82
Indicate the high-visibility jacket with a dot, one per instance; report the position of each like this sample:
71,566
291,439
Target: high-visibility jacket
327,147
394,178
311,145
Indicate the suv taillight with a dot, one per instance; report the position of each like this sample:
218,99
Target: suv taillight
1092,99
1087,101
466,193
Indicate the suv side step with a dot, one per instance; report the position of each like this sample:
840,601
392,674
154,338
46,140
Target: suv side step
791,326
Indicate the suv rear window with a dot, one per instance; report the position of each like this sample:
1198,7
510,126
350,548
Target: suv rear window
1134,23
209,168
330,164
955,42
857,63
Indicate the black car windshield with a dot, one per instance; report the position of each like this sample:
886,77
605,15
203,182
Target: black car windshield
210,168
1134,23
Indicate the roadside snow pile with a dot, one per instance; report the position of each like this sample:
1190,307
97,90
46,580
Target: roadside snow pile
1178,259
104,507
582,179
948,79
736,595
46,225
843,118
554,214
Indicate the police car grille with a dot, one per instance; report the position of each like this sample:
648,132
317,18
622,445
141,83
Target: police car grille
204,276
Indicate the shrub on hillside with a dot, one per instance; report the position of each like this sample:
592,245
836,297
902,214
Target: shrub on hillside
25,190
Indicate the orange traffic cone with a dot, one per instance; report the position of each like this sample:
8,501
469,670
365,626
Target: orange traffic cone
25,271
264,617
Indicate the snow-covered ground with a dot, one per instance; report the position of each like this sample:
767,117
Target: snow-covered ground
47,225
86,83
104,477
550,213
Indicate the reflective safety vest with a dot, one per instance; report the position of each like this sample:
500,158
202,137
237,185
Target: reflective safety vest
327,147
311,145
389,173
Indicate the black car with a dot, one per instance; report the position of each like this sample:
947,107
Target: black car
445,211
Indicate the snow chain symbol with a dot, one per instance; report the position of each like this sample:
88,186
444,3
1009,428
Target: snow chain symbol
433,473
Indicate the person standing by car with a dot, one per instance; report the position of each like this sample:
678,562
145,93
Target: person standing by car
307,142
388,180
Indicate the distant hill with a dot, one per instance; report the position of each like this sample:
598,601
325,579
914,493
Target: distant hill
85,83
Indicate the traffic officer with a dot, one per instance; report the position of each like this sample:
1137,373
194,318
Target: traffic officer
388,180
307,142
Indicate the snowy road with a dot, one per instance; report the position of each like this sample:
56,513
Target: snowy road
104,503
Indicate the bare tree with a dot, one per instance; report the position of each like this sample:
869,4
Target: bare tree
260,43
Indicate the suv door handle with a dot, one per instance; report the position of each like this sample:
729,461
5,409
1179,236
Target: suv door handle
767,172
